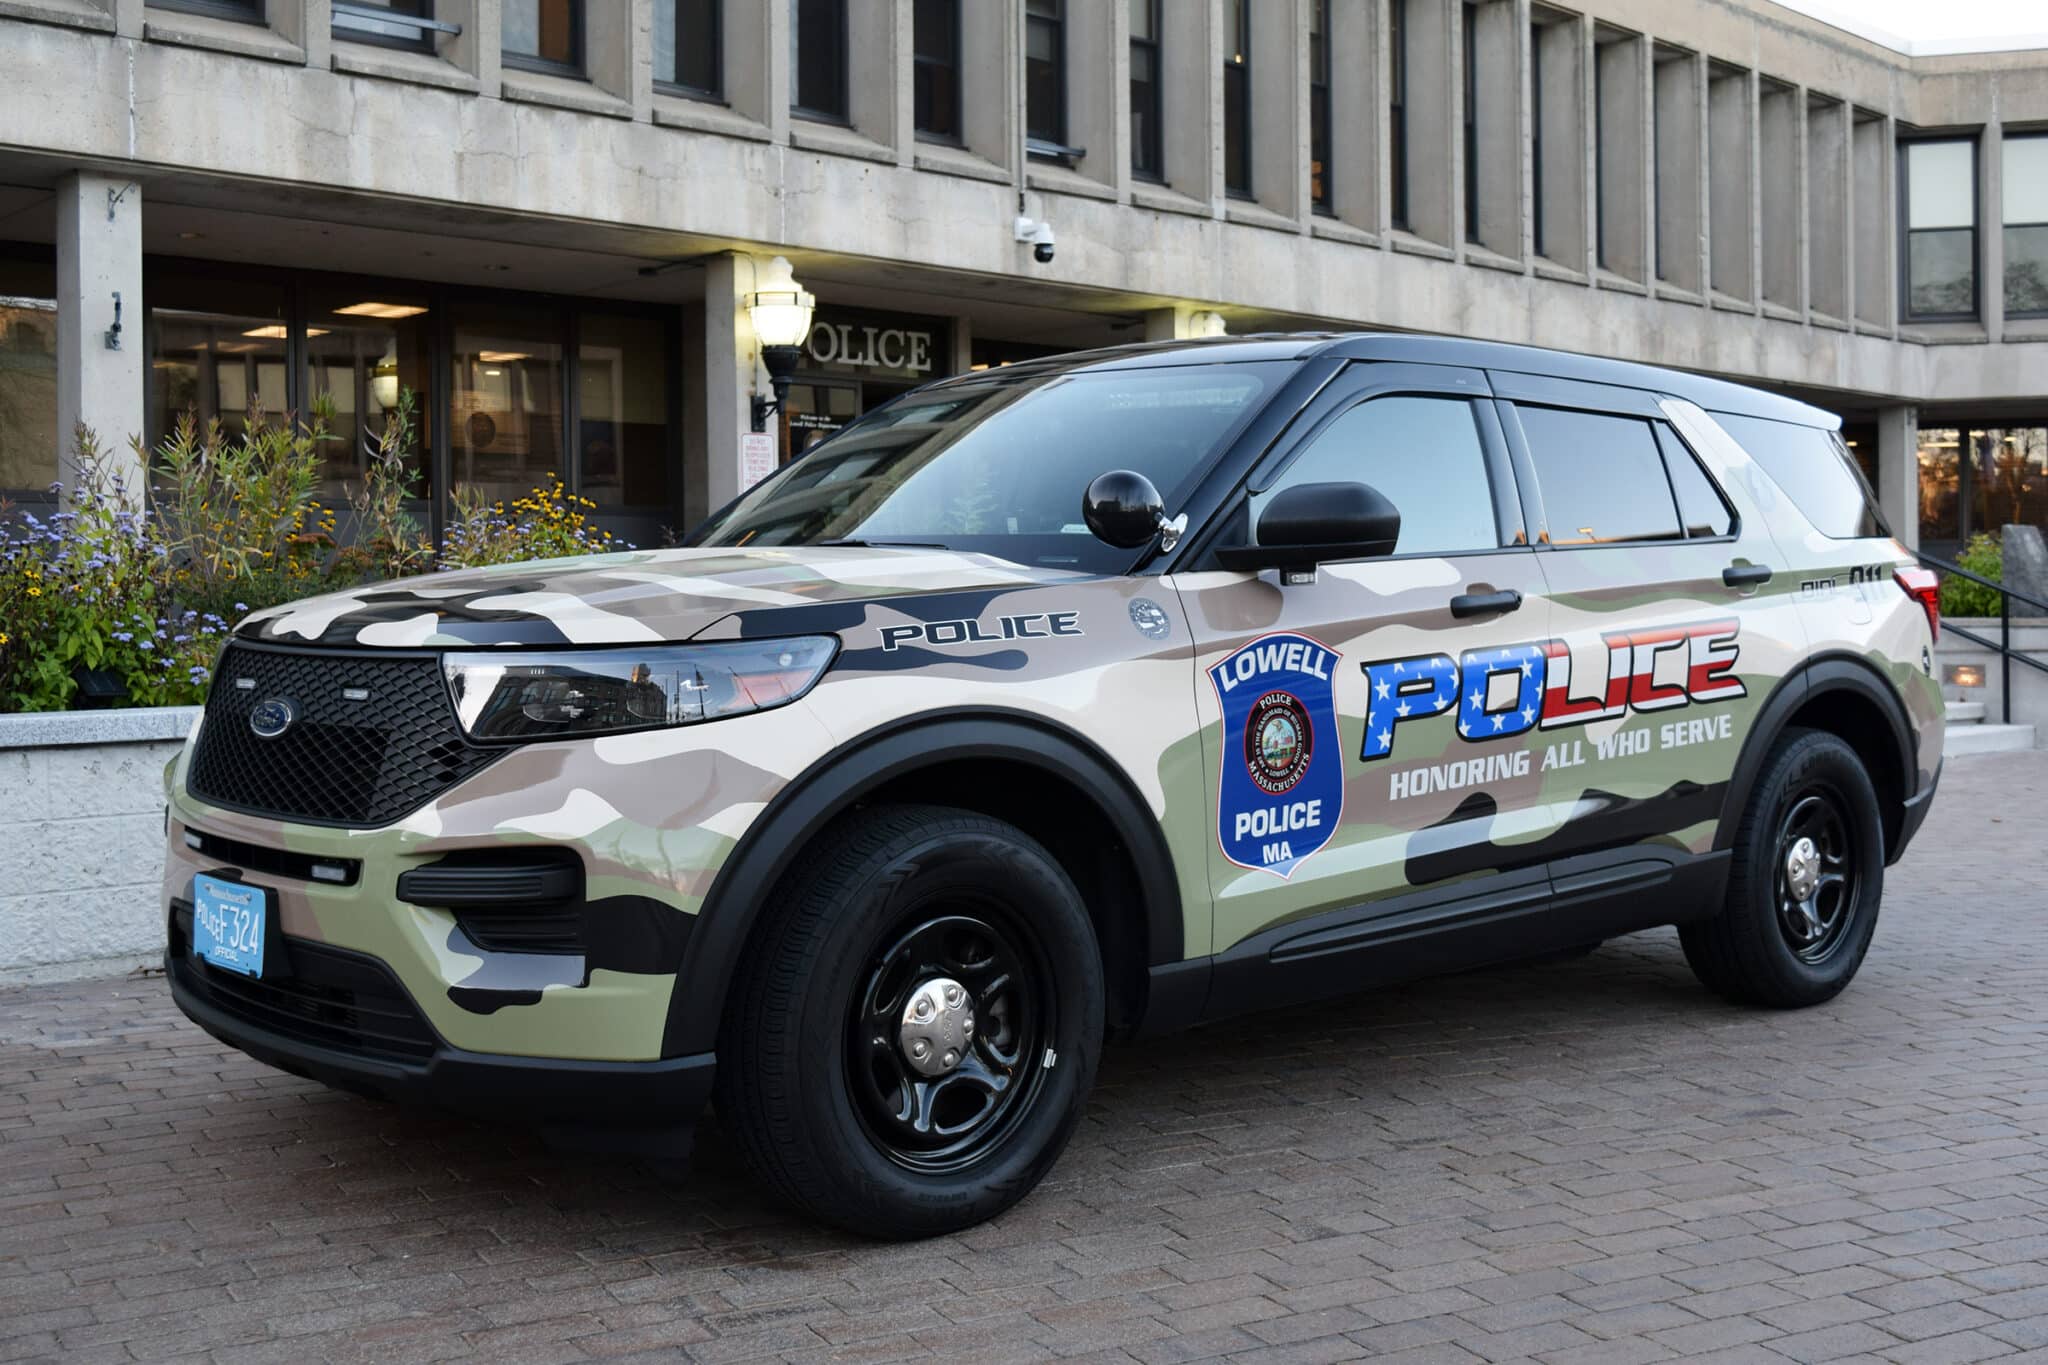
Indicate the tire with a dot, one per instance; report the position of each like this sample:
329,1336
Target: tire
1769,945
816,1077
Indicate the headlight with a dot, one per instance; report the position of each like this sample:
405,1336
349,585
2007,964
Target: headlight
527,695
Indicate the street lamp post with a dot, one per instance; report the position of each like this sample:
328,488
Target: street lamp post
780,310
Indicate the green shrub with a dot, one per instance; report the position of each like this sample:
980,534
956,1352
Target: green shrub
1984,557
140,602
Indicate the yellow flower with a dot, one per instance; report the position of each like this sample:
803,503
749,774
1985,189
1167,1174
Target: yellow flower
35,592
4,637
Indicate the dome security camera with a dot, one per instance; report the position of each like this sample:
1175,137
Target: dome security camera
1038,233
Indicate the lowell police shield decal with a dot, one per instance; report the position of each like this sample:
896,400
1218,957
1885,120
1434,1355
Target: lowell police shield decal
1282,788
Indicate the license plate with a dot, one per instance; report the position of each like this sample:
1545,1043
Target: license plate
227,924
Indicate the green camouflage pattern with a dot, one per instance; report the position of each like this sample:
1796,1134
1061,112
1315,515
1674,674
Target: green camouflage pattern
655,815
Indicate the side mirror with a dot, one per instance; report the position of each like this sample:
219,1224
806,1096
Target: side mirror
1123,509
1315,523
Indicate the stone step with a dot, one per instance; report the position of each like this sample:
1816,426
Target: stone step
1986,739
1965,712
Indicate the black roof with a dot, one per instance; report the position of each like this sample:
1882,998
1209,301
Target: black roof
1715,395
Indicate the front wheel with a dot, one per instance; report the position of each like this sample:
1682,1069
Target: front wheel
1803,887
917,1026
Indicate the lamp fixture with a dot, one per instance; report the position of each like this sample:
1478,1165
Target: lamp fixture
384,380
780,311
388,312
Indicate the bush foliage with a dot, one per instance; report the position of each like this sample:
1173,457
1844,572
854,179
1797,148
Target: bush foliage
103,601
1985,557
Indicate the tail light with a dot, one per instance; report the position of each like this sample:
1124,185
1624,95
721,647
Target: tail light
1923,587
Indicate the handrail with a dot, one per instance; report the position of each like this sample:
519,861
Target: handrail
2003,648
1933,562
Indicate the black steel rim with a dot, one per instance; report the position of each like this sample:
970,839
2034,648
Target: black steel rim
1816,924
945,1123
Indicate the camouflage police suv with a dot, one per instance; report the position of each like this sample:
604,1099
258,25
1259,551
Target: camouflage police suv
1088,697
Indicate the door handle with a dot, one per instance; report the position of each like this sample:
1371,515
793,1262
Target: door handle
1746,575
1483,603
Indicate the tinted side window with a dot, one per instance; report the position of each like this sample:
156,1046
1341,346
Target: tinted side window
1422,454
1600,475
1701,507
1814,468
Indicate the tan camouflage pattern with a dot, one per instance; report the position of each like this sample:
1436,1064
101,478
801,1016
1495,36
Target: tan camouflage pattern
656,814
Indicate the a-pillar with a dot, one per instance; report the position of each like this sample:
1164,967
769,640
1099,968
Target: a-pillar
99,369
1898,471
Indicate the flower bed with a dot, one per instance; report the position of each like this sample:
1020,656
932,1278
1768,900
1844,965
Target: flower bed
103,603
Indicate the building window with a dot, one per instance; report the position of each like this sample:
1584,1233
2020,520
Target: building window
817,59
1397,111
1471,82
1148,160
1938,182
935,50
1536,122
240,11
1045,79
622,417
2026,225
1319,168
408,25
217,351
506,394
544,35
1237,98
28,378
1599,161
1979,479
689,47
362,346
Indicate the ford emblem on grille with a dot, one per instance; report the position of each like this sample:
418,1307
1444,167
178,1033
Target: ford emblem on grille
273,716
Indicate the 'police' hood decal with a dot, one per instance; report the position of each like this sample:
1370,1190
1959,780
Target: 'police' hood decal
1281,790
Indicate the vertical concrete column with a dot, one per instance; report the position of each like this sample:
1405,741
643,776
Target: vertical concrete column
1168,324
99,257
729,363
963,345
1898,470
1991,226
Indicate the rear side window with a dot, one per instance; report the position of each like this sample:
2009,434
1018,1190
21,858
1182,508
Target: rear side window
1423,454
1701,507
1815,469
1601,477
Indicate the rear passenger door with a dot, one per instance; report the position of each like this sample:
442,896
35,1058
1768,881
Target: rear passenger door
1670,620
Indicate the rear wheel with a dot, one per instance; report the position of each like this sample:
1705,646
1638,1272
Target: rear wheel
917,1026
1803,887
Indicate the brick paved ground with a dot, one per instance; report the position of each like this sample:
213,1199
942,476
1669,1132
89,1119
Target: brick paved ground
1589,1161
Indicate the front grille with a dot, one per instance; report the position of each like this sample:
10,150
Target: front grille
341,761
328,997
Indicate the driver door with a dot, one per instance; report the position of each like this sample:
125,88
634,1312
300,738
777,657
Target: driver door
1368,730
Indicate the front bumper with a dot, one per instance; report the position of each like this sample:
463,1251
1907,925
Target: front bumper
646,1105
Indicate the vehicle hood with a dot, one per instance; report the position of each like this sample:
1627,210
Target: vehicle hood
636,597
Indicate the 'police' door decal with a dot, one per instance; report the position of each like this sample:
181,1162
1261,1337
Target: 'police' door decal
1282,787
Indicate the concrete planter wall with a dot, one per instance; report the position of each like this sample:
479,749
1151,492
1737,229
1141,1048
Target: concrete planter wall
2029,687
81,839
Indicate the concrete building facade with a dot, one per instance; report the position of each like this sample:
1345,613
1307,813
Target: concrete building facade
547,217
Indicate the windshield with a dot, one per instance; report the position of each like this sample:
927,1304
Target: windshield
998,466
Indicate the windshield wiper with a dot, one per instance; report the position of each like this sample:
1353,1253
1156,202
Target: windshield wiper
882,544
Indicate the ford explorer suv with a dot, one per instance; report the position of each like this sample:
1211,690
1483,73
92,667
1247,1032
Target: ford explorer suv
1076,700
